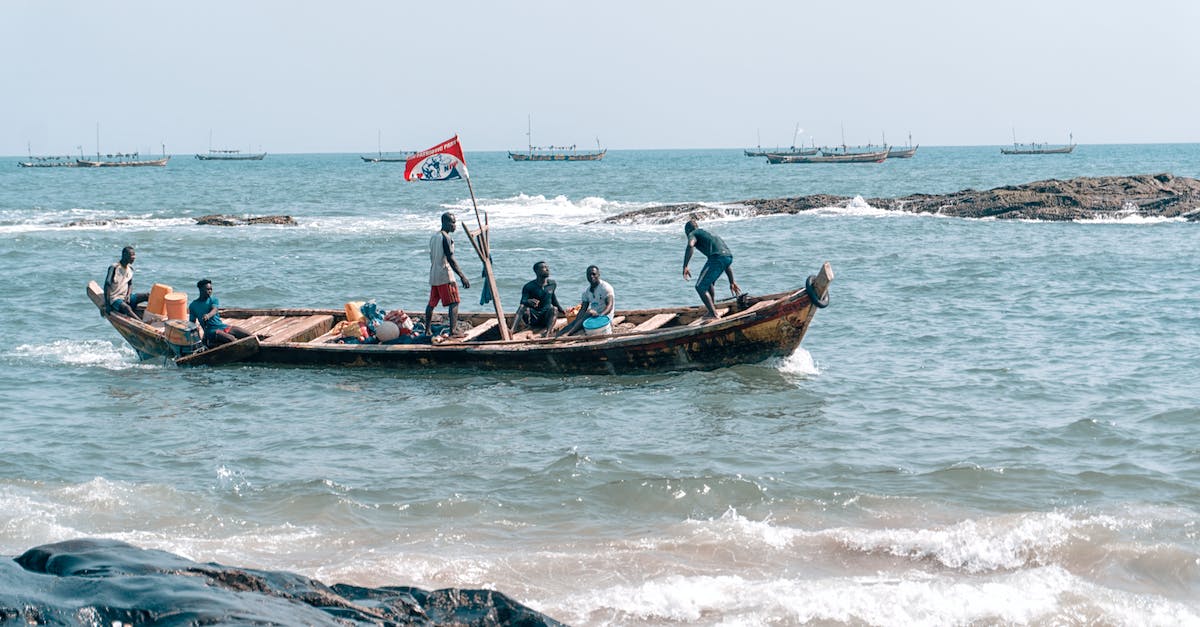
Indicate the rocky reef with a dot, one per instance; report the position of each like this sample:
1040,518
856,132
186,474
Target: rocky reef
227,220
1083,198
106,582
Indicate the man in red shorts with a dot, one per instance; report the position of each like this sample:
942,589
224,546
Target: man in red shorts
442,287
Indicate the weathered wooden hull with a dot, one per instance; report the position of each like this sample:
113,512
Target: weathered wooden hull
254,157
791,152
902,153
865,157
752,330
87,163
558,156
1038,151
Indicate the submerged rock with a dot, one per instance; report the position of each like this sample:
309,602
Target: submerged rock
103,582
1083,198
226,220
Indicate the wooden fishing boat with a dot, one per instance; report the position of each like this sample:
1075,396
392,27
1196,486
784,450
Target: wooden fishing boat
231,154
121,160
380,157
794,151
556,153
855,157
750,330
1036,148
49,162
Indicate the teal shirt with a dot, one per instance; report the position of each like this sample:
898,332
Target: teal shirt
200,307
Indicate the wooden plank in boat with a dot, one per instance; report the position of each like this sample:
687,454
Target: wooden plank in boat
655,321
232,352
299,329
479,329
701,320
756,306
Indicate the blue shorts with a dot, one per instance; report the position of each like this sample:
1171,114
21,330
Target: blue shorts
713,269
134,299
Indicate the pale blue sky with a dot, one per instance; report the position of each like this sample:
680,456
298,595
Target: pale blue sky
295,76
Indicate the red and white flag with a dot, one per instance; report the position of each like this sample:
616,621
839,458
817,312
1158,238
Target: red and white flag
442,162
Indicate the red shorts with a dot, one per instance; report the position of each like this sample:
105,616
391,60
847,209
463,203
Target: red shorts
447,293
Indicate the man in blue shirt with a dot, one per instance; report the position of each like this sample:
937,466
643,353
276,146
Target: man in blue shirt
720,259
204,311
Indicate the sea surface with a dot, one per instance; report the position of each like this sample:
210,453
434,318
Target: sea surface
994,422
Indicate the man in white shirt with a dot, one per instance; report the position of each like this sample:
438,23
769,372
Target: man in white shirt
442,287
118,286
597,300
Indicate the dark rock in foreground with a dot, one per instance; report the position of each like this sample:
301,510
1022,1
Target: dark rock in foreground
94,581
224,220
1084,198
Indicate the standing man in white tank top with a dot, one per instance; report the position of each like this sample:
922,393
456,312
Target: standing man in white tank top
442,287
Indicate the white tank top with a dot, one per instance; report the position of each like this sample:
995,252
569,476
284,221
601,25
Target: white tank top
439,268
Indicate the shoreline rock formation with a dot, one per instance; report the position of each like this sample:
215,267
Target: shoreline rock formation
1157,196
103,582
227,220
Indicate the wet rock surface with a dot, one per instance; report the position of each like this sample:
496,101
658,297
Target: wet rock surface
1151,196
227,220
96,581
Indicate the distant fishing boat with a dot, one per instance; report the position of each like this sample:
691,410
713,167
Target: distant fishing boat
398,157
1039,149
902,152
120,159
556,153
794,150
878,156
48,162
231,155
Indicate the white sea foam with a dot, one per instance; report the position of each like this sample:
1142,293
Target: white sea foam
38,220
1042,595
88,353
799,362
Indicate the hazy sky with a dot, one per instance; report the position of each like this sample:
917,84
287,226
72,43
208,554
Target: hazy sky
297,76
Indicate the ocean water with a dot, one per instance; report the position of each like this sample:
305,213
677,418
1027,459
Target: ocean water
994,422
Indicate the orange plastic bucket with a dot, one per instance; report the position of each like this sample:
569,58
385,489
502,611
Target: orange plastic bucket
158,292
176,305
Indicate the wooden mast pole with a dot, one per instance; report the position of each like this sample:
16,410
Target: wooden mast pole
483,249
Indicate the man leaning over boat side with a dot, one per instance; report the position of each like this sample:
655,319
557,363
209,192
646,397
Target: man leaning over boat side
598,300
539,303
205,312
442,287
720,259
119,296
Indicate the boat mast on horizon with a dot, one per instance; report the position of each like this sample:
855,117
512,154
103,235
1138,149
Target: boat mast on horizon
555,153
793,150
1036,148
120,159
229,154
399,157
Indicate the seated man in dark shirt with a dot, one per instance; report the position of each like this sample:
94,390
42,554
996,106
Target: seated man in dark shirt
539,307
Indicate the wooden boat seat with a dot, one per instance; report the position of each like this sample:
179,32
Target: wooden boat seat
655,321
480,329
